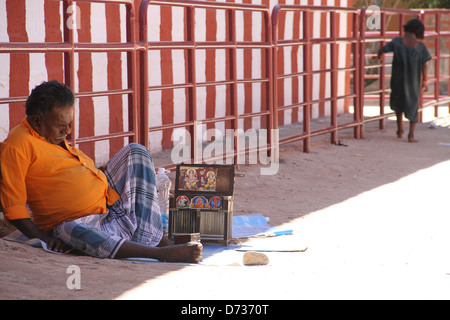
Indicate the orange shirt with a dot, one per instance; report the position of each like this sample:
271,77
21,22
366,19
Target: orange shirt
57,184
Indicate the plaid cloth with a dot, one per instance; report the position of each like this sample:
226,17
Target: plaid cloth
135,216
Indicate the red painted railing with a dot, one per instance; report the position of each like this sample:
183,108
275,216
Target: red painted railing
271,45
381,35
69,48
191,45
304,42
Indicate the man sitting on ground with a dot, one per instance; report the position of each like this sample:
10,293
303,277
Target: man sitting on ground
108,213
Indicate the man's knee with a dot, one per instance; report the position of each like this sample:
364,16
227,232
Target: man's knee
136,146
136,149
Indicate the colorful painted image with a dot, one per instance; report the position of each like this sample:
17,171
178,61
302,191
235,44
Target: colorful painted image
199,202
197,179
215,202
183,202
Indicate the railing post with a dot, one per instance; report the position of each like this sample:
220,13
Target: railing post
356,79
191,75
68,58
383,73
362,64
307,83
334,66
143,78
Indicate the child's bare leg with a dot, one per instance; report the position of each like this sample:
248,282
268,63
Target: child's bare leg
187,252
399,124
412,126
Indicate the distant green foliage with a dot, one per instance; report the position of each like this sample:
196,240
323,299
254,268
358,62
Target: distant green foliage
410,4
427,4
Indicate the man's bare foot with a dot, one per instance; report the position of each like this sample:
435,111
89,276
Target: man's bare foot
186,252
399,134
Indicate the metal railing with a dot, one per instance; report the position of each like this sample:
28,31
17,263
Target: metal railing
69,48
270,46
190,45
381,36
304,42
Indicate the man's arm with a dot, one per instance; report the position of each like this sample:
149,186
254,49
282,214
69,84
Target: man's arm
425,76
28,228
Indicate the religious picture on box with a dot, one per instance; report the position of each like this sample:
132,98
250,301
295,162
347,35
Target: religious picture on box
183,202
197,179
199,202
215,202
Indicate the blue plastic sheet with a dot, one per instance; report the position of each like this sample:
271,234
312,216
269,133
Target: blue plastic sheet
251,225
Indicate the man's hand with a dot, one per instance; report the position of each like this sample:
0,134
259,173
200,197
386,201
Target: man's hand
425,86
28,228
380,54
56,245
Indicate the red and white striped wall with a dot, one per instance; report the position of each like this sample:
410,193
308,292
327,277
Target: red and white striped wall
41,21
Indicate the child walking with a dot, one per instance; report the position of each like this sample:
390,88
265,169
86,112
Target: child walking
409,73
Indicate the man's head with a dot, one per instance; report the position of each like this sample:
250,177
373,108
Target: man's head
416,27
49,110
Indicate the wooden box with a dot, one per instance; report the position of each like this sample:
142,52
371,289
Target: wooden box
203,202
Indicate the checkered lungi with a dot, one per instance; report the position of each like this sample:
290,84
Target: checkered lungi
135,216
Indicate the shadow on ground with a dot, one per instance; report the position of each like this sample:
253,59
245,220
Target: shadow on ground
305,183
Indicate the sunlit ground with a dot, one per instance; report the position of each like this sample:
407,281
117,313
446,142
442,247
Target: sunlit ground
392,242
427,113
